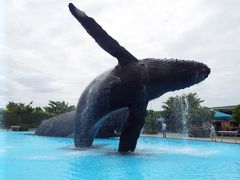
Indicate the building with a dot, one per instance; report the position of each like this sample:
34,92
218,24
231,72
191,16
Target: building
222,120
225,109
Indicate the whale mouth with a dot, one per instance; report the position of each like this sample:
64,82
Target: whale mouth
200,72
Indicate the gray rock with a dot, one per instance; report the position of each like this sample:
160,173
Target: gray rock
63,125
58,126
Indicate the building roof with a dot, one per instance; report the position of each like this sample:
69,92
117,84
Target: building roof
231,107
225,109
221,116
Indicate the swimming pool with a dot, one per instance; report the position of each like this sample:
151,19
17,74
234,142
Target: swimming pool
32,157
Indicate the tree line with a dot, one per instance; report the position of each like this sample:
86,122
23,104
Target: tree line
26,116
184,113
180,113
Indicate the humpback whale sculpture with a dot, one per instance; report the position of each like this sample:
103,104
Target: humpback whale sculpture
130,85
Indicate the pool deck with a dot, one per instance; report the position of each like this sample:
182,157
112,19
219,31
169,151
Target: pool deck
225,139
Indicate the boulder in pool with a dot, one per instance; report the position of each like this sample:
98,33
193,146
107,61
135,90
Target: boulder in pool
63,125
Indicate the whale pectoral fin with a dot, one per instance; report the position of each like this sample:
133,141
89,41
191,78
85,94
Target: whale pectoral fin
101,37
132,128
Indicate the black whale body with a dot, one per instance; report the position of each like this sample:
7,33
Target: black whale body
131,84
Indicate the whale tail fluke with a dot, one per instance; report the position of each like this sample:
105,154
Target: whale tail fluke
104,40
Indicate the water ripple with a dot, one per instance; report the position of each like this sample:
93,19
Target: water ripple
187,151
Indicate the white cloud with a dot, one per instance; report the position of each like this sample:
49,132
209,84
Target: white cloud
48,55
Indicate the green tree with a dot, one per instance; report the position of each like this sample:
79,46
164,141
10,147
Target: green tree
26,116
236,114
55,108
173,111
186,108
151,125
1,117
193,100
198,121
17,114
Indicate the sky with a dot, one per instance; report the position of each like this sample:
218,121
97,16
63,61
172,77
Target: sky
45,54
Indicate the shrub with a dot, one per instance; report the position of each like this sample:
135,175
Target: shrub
151,124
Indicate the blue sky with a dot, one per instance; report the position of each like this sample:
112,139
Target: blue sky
45,54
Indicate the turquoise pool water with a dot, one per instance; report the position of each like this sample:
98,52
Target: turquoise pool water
31,157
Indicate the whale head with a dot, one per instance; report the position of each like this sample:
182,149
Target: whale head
166,75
